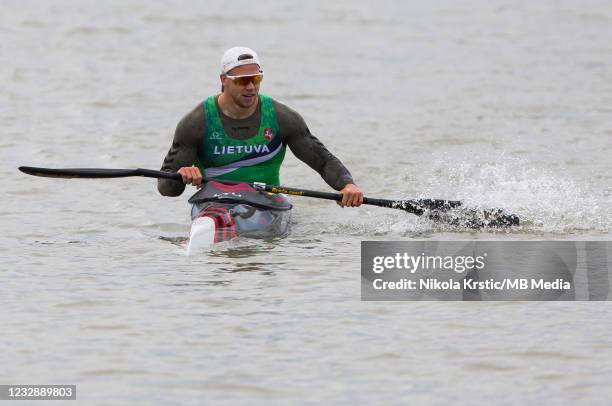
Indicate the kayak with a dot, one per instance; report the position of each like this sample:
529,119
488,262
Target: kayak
222,212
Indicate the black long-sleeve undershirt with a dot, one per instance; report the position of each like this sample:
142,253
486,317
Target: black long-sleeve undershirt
293,131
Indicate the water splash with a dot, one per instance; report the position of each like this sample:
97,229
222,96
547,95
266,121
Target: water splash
545,201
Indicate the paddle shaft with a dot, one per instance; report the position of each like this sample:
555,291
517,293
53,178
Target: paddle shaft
409,205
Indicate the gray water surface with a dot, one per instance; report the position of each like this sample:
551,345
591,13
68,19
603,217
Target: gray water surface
500,104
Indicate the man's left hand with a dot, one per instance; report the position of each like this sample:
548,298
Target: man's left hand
351,196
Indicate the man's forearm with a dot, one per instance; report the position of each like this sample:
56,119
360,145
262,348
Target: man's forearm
183,152
309,149
173,163
178,156
336,175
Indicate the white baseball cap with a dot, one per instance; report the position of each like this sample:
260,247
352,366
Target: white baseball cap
238,56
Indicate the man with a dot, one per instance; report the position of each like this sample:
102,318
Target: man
242,135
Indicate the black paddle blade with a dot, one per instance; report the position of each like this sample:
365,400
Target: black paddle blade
475,219
452,212
97,173
420,206
91,173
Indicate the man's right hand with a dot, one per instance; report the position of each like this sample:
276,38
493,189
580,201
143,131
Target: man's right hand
191,175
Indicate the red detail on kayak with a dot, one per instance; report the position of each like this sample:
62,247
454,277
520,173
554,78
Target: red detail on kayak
225,228
231,188
225,221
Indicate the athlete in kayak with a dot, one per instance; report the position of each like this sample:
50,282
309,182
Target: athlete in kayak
242,135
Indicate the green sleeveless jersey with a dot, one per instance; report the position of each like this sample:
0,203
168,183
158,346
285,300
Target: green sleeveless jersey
257,159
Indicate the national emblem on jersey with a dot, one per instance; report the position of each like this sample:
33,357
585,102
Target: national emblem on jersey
268,134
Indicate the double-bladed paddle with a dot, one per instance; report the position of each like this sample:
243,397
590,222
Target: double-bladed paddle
435,209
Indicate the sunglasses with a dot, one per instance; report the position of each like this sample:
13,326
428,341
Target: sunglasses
244,80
